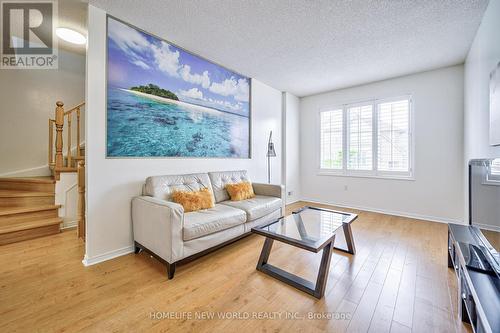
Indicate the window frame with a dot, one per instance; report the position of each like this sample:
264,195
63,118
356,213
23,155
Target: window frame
374,172
491,178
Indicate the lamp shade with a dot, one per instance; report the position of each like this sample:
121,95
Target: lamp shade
270,150
270,146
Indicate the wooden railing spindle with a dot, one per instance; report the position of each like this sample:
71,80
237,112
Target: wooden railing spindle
81,199
51,143
68,154
78,132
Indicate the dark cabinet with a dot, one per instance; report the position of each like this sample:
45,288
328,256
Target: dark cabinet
478,292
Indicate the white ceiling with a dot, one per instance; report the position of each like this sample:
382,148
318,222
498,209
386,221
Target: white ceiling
310,46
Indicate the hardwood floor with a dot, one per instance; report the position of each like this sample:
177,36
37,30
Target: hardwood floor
493,238
397,282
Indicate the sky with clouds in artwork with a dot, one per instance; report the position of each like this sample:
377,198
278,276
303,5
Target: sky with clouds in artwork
136,58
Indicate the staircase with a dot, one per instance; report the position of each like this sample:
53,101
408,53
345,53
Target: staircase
27,205
27,209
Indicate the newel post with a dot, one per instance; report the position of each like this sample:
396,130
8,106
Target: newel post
59,134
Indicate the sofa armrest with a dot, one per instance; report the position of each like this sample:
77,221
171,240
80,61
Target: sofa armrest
269,190
158,226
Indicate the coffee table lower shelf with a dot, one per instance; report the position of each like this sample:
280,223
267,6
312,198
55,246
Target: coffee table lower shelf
315,289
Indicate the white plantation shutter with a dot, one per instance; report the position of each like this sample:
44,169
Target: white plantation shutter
494,173
495,167
370,139
359,137
393,136
331,139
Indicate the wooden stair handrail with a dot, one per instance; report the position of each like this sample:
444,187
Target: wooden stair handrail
58,162
74,108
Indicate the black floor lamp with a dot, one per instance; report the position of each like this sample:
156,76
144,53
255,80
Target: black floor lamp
270,153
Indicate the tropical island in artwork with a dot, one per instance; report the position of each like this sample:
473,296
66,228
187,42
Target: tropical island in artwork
153,89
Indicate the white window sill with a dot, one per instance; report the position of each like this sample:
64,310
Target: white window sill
364,175
491,182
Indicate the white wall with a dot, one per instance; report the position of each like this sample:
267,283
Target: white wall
292,146
111,183
436,192
28,100
67,196
483,57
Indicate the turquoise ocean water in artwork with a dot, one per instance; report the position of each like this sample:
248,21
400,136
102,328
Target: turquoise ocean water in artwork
139,126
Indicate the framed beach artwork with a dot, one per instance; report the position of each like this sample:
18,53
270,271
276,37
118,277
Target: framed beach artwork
495,106
163,101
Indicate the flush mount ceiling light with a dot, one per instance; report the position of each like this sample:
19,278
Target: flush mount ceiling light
71,36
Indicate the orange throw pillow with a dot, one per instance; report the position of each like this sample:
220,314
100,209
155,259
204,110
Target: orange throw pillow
240,191
193,201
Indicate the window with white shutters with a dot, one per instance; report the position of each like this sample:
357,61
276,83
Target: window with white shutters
360,136
331,139
495,167
393,136
494,171
372,139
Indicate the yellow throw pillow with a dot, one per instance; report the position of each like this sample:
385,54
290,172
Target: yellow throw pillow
193,201
240,191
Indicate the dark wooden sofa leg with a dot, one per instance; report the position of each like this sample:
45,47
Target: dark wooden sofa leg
170,270
170,267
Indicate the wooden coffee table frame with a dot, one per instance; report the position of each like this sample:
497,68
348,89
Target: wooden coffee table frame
315,289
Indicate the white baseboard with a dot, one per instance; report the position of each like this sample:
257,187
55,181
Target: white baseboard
107,256
487,227
69,224
73,149
41,170
388,212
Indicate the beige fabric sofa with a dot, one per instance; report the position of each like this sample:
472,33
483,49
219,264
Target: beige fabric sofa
163,229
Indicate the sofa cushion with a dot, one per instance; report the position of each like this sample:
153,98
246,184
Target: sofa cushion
263,220
163,186
256,207
194,200
240,191
208,221
220,179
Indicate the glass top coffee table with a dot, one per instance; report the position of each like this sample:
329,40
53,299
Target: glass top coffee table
312,229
